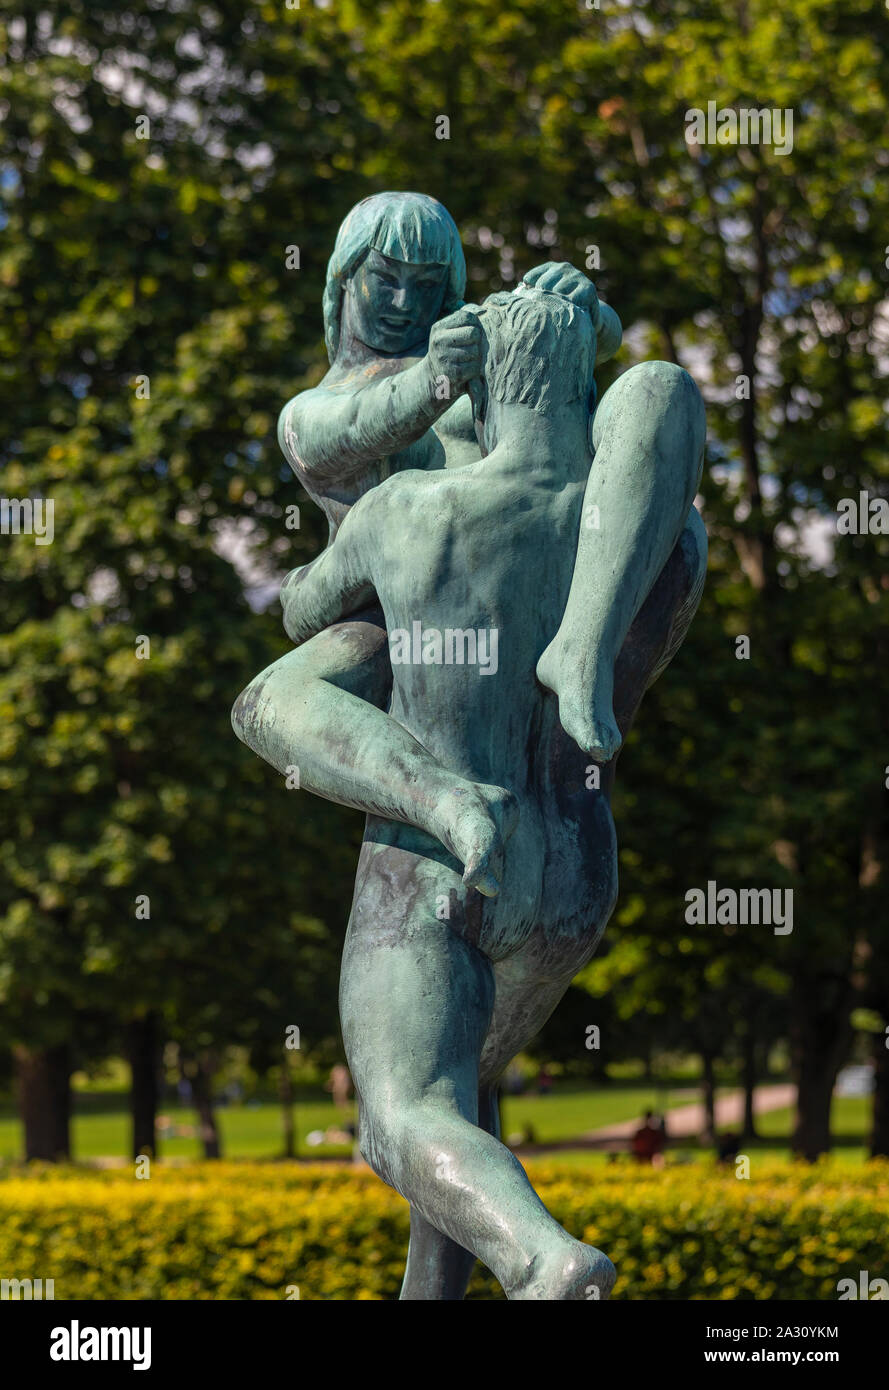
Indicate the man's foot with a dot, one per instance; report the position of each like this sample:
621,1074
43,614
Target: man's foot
474,822
585,709
579,1274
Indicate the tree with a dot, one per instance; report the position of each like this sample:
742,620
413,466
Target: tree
139,395
165,172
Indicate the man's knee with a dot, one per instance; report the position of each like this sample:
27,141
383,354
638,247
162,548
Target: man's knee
385,1141
253,713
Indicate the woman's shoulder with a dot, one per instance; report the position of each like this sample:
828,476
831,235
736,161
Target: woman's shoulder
344,381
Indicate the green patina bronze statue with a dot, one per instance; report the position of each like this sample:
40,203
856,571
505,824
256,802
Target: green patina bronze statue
510,567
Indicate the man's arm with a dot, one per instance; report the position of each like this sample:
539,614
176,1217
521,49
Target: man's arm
338,582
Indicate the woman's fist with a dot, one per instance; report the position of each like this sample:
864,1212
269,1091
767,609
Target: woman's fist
455,349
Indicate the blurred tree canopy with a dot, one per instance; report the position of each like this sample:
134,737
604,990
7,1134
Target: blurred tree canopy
161,162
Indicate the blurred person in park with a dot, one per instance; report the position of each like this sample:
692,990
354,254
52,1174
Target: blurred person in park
650,1140
339,1083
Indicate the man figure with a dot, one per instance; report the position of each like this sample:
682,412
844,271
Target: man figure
442,986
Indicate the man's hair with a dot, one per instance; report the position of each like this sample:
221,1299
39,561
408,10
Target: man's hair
541,349
404,226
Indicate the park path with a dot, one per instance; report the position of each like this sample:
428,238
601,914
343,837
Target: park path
688,1121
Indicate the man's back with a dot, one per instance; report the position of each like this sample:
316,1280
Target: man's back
473,570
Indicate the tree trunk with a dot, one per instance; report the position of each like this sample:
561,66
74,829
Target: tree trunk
820,1036
202,1089
749,1070
285,1092
709,1092
811,1136
43,1080
879,1139
142,1053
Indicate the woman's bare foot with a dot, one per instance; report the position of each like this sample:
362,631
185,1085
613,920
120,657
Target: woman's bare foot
474,822
585,697
596,732
578,1273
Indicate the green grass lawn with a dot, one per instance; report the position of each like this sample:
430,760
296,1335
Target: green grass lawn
101,1126
566,1114
247,1131
850,1125
849,1121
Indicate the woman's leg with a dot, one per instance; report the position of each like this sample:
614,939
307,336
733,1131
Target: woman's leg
649,435
320,709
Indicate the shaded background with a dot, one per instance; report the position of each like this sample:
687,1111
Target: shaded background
159,248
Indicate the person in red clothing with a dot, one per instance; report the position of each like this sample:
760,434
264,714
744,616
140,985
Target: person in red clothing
650,1140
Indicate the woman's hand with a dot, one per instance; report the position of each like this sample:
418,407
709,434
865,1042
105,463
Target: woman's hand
560,277
455,349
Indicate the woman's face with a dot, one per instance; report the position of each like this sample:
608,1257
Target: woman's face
393,304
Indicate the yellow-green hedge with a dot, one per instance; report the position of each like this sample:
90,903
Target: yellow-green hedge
248,1231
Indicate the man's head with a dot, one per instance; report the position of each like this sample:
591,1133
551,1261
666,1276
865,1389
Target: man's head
398,257
540,352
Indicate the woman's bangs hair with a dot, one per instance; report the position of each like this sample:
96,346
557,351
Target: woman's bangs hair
417,232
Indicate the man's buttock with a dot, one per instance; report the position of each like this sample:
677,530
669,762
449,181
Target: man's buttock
557,890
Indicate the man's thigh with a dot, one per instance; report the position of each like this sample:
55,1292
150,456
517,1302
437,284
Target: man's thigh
415,995
524,998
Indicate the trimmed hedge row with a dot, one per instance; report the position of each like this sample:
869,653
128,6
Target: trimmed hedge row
254,1231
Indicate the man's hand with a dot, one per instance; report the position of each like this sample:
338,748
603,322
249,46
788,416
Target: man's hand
455,349
559,277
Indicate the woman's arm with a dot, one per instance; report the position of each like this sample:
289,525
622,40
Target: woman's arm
332,434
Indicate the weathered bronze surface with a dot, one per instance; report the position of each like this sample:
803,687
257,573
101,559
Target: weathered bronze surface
510,567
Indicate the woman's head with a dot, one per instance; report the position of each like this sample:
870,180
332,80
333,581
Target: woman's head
400,256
